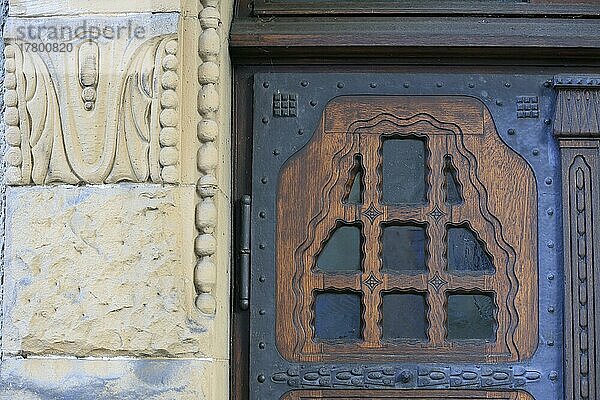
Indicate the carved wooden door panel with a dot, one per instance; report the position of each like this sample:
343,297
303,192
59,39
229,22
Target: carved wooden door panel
396,239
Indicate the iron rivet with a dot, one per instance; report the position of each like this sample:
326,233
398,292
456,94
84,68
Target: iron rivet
536,152
261,345
261,246
547,83
553,375
551,309
276,152
262,214
499,102
550,211
340,85
471,85
550,277
550,342
313,103
300,131
304,83
406,85
507,84
511,131
262,311
265,84
547,121
548,181
261,279
551,244
265,120
373,85
264,180
439,84
261,378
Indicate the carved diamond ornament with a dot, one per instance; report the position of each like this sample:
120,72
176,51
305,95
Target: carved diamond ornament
372,213
437,282
436,213
372,282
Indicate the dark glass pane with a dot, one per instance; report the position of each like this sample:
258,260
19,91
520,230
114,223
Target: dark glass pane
342,251
404,171
404,316
355,194
471,316
337,316
404,248
451,185
466,253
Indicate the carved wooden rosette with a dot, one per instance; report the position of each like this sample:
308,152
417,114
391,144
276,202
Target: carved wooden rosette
105,112
577,128
209,50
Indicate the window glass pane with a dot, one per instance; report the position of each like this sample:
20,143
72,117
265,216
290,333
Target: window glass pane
356,185
404,171
338,316
404,248
471,316
453,192
466,253
342,251
404,316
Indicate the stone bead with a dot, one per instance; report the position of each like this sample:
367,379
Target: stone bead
205,245
169,99
206,304
11,99
208,130
11,116
168,137
208,72
13,175
13,136
169,117
170,62
169,174
170,80
209,45
205,275
208,100
206,215
207,186
169,156
10,81
9,65
14,157
171,47
209,18
208,157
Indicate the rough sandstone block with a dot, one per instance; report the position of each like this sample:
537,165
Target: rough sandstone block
100,271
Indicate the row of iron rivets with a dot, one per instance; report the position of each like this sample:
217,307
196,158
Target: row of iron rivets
209,49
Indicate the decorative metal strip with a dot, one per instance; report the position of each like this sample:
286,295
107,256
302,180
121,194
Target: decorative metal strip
431,377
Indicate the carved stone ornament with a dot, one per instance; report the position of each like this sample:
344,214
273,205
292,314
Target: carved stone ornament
92,100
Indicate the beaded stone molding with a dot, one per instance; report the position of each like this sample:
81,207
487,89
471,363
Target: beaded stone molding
209,51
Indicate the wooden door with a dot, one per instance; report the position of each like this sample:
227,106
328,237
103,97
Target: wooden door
395,240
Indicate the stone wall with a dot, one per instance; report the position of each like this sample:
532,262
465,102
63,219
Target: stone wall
117,232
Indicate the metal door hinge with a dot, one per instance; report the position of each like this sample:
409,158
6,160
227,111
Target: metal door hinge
244,253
